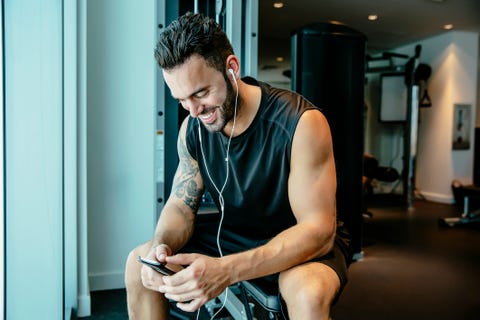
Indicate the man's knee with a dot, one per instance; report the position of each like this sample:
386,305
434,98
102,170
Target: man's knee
142,303
132,266
313,285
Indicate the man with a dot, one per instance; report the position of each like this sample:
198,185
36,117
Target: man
265,155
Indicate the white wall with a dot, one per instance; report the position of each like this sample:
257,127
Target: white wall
121,36
70,156
34,159
454,59
2,194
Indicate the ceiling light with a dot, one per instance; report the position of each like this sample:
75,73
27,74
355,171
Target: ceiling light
278,5
279,59
335,22
448,26
372,17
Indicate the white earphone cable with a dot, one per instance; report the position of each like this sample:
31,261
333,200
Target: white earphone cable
221,200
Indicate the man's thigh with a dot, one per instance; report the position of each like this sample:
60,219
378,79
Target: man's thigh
326,274
207,240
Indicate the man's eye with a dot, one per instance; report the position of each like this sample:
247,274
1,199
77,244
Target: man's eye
201,94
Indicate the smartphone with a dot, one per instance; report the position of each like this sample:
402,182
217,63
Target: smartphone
157,266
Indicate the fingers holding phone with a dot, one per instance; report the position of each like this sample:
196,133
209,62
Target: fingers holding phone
154,267
160,253
157,266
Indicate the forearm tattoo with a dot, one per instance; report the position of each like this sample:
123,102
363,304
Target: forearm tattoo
185,185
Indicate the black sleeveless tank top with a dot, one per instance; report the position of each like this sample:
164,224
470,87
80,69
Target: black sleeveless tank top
256,193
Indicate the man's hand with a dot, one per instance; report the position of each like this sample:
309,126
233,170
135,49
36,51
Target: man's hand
201,281
160,253
152,279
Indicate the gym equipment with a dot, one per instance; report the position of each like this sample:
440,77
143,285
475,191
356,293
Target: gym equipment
244,299
415,77
468,193
328,68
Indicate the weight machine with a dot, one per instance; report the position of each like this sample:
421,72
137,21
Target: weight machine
415,76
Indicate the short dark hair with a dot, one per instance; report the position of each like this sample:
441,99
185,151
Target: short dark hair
193,34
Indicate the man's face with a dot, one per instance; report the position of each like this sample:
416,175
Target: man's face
203,91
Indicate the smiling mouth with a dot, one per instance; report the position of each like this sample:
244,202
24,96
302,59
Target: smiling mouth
207,116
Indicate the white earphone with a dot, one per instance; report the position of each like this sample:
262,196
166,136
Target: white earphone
233,75
220,190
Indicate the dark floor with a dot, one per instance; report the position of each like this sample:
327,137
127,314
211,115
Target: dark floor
412,269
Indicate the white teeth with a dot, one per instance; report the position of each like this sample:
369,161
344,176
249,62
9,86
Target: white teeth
206,116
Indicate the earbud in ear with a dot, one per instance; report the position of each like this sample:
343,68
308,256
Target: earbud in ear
231,72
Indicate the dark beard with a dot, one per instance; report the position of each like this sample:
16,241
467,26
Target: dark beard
227,110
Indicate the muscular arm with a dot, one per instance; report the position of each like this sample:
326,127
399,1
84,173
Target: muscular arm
312,187
175,225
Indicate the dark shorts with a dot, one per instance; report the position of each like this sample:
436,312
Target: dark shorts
204,241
